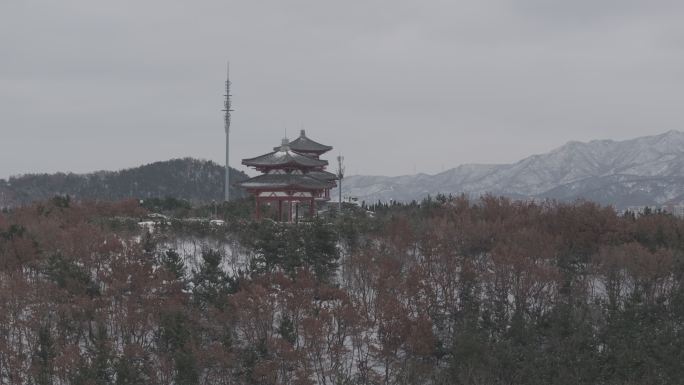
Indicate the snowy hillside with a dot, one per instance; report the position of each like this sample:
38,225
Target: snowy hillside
643,171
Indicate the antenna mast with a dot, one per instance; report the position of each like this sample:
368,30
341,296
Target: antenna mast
227,109
340,176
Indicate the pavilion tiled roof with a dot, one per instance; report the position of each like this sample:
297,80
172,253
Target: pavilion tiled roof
282,157
282,181
304,144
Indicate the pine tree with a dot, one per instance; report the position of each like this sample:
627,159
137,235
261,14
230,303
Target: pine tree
175,337
43,357
320,250
173,262
286,330
98,371
211,284
130,372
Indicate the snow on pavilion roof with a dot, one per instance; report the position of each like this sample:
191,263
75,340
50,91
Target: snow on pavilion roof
282,157
282,181
304,144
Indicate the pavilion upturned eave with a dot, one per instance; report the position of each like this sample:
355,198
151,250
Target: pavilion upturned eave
282,159
285,181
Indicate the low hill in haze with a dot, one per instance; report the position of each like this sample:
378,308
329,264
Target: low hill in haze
191,179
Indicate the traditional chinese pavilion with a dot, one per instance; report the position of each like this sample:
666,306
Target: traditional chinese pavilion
292,175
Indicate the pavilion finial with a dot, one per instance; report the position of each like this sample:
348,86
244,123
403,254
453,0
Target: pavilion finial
302,133
285,145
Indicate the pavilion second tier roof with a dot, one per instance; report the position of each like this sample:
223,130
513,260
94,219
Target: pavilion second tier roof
306,145
284,156
322,175
285,181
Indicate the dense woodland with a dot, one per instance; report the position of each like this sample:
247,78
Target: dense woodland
447,291
191,179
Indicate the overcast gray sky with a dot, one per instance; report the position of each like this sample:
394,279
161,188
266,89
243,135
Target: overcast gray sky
396,86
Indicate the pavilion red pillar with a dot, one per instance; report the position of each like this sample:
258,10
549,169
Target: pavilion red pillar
289,210
280,210
312,207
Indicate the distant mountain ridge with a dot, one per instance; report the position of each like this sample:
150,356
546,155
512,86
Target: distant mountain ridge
643,171
198,181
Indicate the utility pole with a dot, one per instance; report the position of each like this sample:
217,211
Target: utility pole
227,109
340,176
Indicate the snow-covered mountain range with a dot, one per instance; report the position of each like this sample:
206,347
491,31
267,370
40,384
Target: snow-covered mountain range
643,171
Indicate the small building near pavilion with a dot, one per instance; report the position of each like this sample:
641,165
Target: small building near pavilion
293,177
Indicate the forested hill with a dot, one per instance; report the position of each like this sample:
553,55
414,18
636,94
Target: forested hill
192,179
